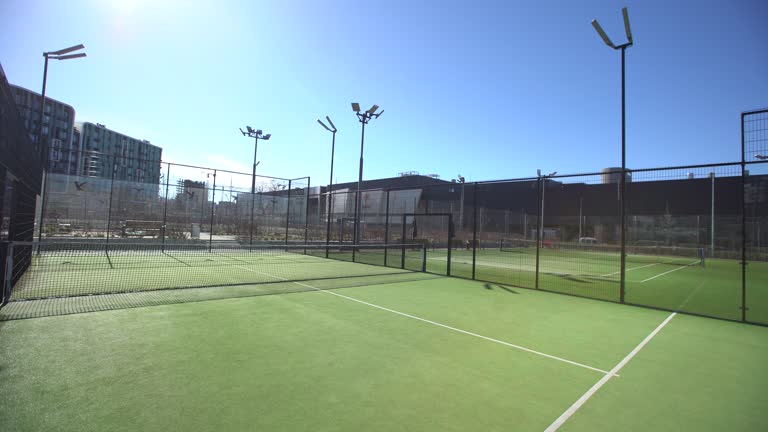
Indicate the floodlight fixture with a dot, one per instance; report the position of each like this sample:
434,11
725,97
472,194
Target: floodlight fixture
602,34
355,107
627,29
538,173
331,123
71,56
255,134
323,125
373,109
67,50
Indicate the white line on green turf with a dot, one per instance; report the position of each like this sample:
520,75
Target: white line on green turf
670,271
519,347
585,397
633,268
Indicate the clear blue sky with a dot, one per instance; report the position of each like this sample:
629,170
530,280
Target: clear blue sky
487,89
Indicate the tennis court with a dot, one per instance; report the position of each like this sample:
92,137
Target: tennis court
298,341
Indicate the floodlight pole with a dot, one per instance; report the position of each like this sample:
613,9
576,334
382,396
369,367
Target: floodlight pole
333,130
623,180
255,134
364,117
623,206
42,146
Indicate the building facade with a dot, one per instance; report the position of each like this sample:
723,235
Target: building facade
58,127
101,149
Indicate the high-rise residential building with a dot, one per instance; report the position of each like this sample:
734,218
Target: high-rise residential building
58,127
134,160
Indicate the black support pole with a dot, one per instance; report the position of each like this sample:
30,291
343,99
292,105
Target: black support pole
109,210
288,212
623,187
451,234
743,226
306,213
539,227
474,227
165,209
213,209
402,242
386,230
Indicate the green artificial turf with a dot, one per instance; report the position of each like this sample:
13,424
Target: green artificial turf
318,361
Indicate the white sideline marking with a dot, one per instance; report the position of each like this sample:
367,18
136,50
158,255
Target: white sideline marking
522,348
670,271
585,397
633,268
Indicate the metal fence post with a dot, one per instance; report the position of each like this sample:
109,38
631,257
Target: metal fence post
165,209
8,279
451,230
423,258
109,210
288,212
213,208
402,242
539,227
743,226
306,213
253,203
386,230
474,227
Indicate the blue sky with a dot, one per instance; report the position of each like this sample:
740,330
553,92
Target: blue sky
486,89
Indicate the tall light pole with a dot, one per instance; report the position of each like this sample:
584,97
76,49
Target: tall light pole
544,179
42,146
255,134
332,130
623,180
461,180
364,117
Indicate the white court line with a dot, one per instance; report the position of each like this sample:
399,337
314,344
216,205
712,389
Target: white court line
522,348
670,271
585,397
633,268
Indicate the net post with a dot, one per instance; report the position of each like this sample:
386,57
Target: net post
423,257
539,227
474,228
213,208
386,230
288,212
402,242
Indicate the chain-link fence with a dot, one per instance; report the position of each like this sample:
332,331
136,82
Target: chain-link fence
692,239
167,202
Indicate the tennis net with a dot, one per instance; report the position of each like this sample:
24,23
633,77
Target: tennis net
54,269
